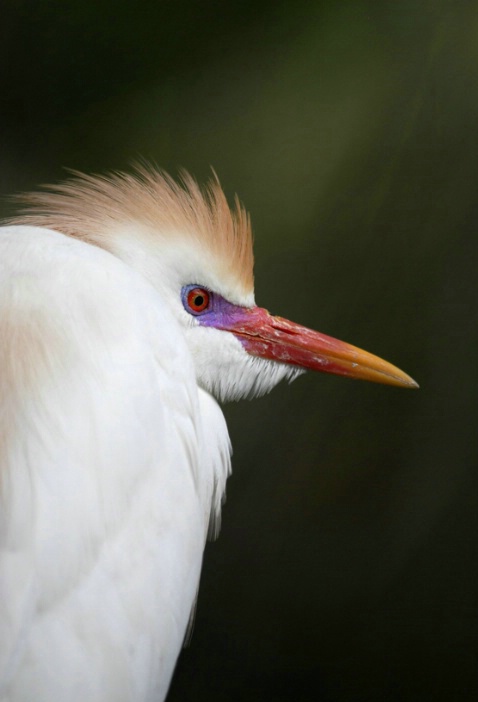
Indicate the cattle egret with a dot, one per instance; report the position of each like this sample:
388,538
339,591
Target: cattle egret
126,311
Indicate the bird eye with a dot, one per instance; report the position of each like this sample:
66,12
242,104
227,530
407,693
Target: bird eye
198,300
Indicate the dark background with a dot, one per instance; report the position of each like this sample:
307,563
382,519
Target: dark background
348,561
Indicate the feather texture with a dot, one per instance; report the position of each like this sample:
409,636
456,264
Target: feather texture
112,459
92,208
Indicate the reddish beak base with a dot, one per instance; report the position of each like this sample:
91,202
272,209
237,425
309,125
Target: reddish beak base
277,339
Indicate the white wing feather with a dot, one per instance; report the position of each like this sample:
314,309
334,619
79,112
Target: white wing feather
103,438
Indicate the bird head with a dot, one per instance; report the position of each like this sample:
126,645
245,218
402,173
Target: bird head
197,253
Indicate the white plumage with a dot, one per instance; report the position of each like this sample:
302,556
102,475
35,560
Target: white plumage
114,452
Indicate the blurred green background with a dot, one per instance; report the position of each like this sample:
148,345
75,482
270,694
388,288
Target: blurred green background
347,565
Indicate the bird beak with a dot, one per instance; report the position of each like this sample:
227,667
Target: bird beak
277,339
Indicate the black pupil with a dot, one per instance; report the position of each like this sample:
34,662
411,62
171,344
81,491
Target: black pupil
199,300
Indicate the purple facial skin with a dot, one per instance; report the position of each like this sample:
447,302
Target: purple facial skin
220,313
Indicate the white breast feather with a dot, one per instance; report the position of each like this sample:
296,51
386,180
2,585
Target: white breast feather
108,476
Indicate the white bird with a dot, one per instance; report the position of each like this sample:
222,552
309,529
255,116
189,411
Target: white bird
126,311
